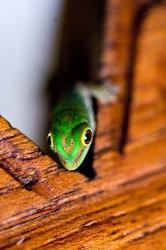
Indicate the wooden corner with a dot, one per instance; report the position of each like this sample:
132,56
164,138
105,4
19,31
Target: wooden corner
123,206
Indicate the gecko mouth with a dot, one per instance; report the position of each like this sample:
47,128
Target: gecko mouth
72,165
69,165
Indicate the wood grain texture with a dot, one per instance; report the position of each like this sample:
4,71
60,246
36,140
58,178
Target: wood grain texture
124,207
122,23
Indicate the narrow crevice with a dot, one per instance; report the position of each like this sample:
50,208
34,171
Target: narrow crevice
78,57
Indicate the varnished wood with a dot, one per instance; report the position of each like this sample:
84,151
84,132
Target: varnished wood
124,207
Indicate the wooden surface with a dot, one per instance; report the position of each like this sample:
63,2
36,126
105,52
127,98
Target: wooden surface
124,206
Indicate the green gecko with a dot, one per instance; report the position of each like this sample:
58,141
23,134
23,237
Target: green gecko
73,122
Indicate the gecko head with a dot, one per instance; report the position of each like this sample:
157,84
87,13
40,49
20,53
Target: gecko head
71,146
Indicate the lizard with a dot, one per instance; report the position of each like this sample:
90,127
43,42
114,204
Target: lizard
73,122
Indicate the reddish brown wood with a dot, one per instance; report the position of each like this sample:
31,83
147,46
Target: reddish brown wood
118,53
124,207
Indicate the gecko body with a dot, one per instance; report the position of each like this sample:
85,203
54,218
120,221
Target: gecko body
73,124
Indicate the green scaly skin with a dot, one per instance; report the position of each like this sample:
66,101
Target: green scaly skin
72,119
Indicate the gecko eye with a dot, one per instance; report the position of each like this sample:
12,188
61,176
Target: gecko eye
87,137
49,139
